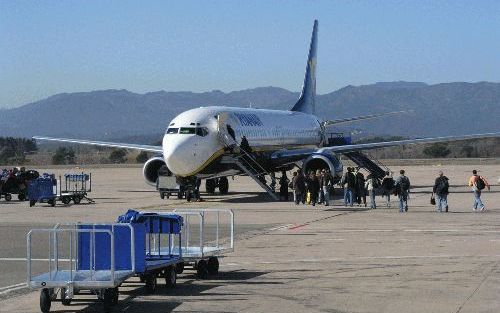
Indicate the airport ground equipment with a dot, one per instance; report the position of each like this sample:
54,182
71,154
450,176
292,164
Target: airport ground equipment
167,184
47,189
43,190
100,257
76,188
208,234
17,184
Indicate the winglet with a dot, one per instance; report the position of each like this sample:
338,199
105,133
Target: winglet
306,102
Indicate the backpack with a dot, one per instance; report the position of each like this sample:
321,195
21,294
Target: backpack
388,183
480,185
405,183
442,186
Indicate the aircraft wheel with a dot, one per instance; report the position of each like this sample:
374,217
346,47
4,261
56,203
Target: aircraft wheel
210,186
223,185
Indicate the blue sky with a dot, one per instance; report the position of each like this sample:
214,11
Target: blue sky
49,47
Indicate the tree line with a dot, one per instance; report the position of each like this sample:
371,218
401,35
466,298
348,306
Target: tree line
14,150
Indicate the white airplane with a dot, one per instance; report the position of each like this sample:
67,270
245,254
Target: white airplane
199,143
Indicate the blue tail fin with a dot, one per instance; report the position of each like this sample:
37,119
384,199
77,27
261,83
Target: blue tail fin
307,97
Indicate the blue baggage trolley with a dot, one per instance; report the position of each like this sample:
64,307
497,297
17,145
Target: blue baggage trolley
100,257
43,189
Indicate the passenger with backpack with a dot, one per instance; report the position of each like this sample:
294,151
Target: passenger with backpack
387,187
440,191
402,190
478,183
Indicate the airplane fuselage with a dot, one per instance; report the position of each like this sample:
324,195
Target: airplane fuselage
192,140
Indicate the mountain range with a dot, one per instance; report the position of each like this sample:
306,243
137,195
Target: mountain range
439,109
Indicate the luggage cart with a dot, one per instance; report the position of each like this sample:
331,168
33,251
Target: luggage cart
202,247
167,185
43,190
100,257
76,188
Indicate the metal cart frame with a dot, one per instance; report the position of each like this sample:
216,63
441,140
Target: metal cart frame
204,257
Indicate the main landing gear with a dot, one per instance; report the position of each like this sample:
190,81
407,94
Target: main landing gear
222,183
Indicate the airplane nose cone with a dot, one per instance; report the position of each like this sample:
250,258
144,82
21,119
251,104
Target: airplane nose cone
180,156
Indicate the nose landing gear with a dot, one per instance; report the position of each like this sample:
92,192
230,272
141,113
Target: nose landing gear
222,183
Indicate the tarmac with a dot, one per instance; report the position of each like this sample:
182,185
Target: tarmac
292,258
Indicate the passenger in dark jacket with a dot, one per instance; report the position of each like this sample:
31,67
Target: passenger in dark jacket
360,187
284,186
313,188
299,187
440,191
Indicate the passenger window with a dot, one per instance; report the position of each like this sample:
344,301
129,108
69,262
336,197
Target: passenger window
187,130
201,131
172,130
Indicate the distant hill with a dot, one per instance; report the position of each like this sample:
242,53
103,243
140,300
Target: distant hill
442,109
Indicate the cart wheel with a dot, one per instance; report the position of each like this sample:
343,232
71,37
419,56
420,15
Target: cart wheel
162,195
179,267
21,197
179,195
8,197
32,202
66,200
108,298
170,275
52,202
64,300
45,300
202,269
150,283
213,266
116,295
168,195
76,199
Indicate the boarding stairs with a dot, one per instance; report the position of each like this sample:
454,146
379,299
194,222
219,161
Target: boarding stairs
371,165
246,163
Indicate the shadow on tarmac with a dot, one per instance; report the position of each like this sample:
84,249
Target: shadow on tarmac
138,300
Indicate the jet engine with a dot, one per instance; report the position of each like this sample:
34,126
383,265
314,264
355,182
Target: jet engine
151,168
320,161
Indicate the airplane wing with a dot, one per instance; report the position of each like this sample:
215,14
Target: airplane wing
104,144
360,118
376,145
301,153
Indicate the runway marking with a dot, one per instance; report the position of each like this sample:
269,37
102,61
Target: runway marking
8,289
389,257
414,231
295,226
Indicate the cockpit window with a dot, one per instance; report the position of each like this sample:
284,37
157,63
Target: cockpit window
172,130
201,131
187,130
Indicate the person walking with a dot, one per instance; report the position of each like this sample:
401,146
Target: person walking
371,185
284,186
387,187
360,187
348,182
402,186
327,183
440,191
478,183
319,176
299,187
313,188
